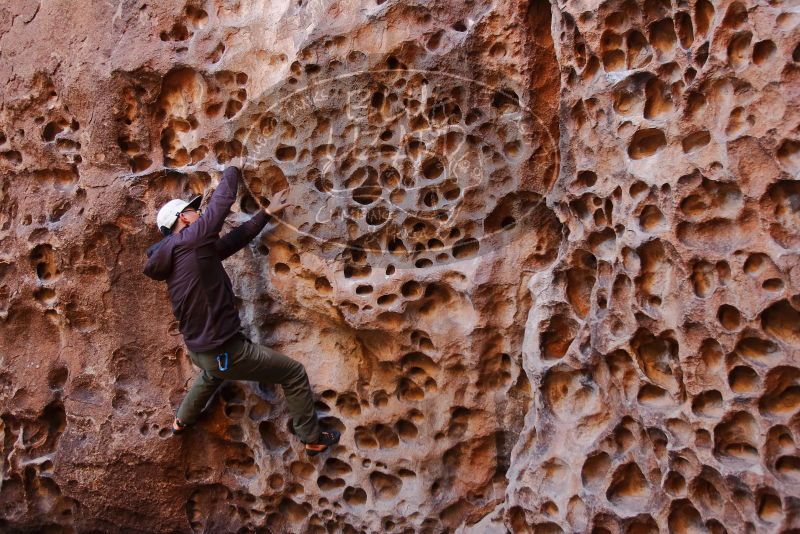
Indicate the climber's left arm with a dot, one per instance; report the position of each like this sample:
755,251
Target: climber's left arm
236,239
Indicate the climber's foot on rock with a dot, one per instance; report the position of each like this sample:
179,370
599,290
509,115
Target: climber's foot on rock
178,427
326,439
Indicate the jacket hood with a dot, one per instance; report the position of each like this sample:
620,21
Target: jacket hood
159,259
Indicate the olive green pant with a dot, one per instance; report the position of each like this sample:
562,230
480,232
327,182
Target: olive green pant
250,361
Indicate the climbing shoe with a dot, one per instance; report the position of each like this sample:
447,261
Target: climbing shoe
324,441
178,427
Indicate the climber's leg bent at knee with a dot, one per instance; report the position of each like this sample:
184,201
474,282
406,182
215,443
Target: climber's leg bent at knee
202,389
250,361
292,377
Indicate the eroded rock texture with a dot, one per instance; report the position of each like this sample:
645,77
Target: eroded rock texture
541,264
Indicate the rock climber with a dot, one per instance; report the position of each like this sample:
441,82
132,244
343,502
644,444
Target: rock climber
189,258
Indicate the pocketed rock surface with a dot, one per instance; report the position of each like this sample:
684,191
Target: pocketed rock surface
541,264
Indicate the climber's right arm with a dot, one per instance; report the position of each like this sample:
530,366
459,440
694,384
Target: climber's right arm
210,222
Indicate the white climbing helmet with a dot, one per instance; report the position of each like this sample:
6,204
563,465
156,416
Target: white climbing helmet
169,212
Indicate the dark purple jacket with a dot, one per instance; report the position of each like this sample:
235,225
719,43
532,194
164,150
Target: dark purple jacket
191,263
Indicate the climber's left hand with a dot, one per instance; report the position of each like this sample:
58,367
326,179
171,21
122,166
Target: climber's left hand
278,202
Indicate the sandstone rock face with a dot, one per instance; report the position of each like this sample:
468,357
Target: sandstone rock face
541,264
